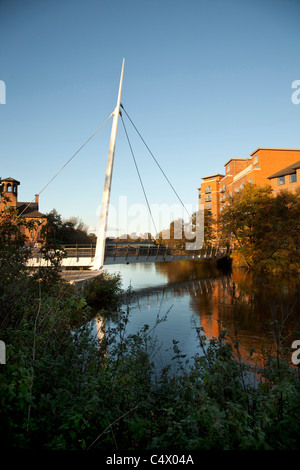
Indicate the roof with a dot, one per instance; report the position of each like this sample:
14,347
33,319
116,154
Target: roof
274,148
11,180
239,159
288,170
29,209
34,215
212,176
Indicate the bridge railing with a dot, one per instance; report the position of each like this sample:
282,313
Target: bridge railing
143,250
80,251
134,250
162,250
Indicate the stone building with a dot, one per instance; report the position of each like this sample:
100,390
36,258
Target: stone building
27,210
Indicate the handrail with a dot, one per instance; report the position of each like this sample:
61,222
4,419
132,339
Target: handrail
146,250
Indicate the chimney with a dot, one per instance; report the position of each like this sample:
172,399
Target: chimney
37,199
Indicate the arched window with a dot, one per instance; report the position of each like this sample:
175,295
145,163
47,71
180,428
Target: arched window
9,188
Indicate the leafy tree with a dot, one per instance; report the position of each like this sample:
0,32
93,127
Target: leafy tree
92,237
277,233
263,229
12,237
60,232
209,227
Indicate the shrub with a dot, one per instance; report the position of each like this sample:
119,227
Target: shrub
104,291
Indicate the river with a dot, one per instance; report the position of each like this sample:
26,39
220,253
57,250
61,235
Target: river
193,294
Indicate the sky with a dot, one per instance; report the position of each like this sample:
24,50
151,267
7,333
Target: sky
204,81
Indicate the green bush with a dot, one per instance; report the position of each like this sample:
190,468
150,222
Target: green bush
104,291
61,389
66,387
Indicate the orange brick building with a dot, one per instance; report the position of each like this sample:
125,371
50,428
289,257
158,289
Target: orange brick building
209,193
28,210
276,167
287,178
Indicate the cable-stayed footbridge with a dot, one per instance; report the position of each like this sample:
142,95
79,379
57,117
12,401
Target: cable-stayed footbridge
95,256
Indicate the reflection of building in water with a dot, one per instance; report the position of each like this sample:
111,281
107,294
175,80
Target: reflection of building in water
183,271
246,308
239,303
227,308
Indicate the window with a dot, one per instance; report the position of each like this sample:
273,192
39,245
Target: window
293,178
255,160
281,180
228,168
251,181
208,205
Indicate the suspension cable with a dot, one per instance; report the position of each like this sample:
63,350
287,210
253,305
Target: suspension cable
71,158
136,166
156,161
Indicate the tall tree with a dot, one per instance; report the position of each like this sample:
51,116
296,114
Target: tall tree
68,231
263,229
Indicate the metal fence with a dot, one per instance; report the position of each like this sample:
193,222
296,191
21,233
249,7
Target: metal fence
135,250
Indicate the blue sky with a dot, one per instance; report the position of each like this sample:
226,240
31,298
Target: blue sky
204,81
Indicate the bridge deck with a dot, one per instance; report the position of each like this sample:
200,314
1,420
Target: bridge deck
83,255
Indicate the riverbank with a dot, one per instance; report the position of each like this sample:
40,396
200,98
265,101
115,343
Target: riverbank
66,387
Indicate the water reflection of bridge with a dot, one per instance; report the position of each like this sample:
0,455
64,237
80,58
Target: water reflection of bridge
167,292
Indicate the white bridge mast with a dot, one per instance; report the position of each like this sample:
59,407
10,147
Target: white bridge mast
102,227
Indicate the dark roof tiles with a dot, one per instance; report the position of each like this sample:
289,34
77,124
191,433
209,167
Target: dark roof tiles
288,170
29,209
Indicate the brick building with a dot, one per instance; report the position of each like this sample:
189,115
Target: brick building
276,167
27,210
287,178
